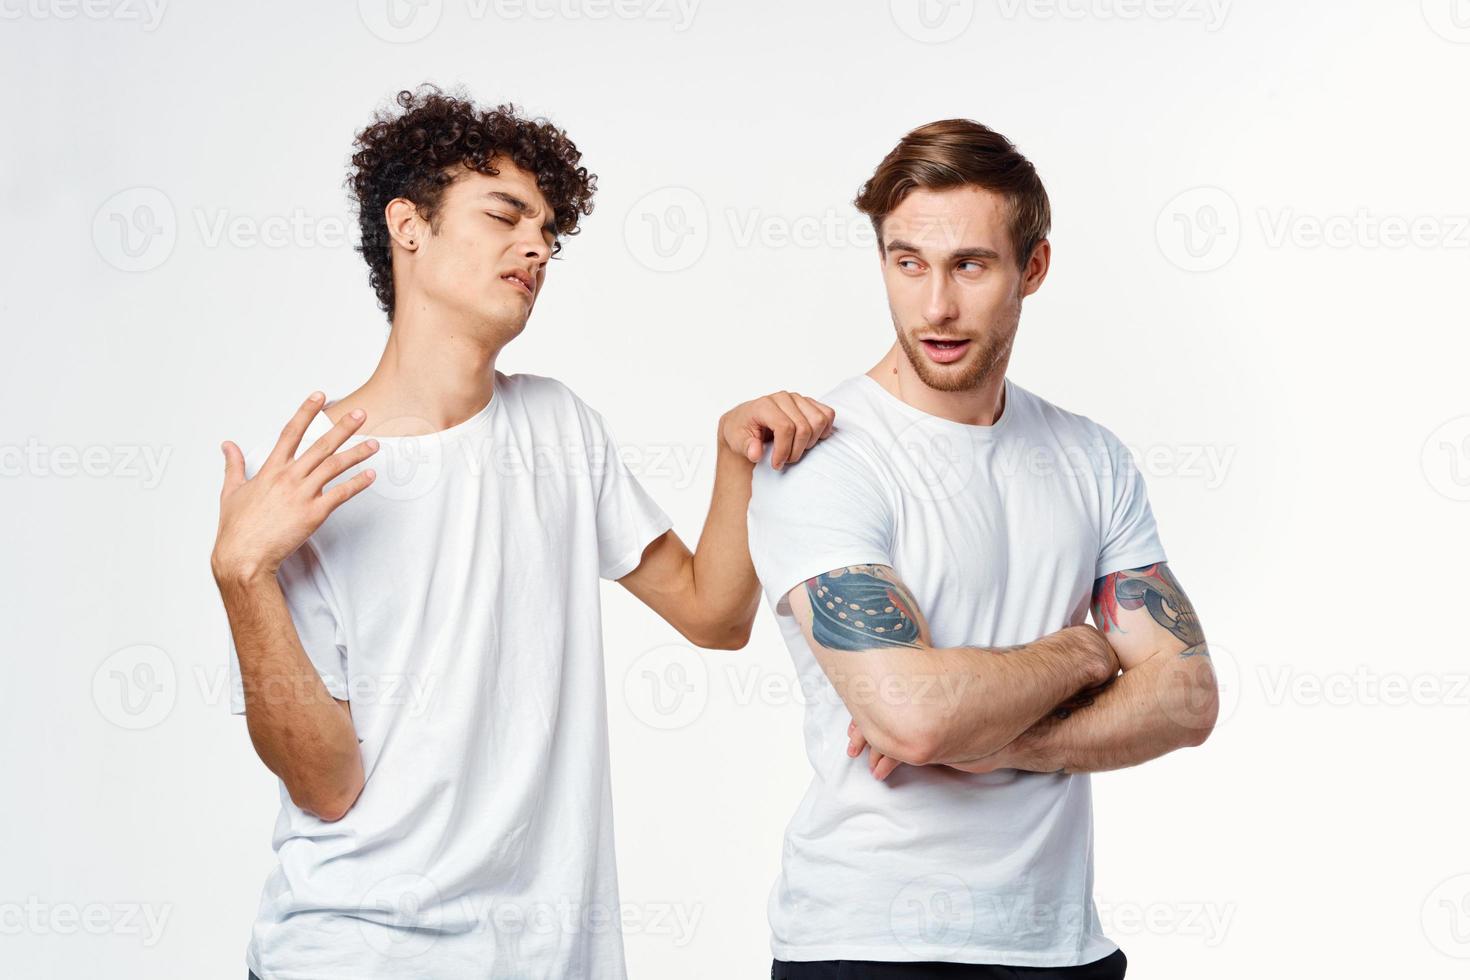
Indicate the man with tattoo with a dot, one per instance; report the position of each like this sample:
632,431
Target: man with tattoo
422,666
931,571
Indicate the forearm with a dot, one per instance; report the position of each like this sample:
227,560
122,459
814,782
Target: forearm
1165,703
301,733
961,704
726,590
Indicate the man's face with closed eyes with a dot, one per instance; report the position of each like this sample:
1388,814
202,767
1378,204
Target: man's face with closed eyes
491,240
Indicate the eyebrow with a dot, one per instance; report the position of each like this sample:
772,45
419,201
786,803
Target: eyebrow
974,252
522,207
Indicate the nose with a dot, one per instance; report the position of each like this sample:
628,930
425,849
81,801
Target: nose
940,305
535,249
531,242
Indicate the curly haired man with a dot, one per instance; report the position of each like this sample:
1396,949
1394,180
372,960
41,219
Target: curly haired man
422,667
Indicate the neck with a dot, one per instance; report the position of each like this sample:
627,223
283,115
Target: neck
434,373
980,405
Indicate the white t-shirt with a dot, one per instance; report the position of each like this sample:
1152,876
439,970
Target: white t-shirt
455,603
999,532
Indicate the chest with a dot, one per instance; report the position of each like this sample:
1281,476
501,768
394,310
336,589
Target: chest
1002,551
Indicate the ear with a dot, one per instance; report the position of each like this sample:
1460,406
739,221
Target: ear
1036,268
405,228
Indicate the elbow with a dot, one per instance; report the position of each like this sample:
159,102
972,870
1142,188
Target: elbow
909,737
1200,721
720,636
326,805
327,809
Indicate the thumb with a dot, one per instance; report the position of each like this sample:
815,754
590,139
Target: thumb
754,449
234,466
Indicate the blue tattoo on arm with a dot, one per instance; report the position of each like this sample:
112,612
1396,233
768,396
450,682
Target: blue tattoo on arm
858,609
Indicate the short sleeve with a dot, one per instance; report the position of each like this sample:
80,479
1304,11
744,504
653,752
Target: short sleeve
827,510
1130,537
628,518
313,613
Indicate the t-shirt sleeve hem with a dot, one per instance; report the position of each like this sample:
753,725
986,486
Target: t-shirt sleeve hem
634,556
778,584
1132,559
334,685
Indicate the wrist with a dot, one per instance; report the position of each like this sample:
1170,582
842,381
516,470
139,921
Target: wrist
1029,750
1099,661
241,575
727,453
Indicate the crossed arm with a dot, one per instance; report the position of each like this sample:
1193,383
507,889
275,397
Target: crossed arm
1057,703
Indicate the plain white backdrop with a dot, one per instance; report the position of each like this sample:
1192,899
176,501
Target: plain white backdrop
1262,245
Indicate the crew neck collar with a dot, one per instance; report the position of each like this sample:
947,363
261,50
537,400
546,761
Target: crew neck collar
1008,410
455,431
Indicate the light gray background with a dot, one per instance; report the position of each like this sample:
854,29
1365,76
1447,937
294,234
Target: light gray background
1261,250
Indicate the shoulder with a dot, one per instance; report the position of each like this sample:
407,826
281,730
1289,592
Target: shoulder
1069,427
544,396
551,410
848,463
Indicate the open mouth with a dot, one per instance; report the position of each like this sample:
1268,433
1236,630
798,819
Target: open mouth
943,351
519,280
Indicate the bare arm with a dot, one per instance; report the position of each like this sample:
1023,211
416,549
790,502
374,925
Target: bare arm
301,733
920,704
711,596
1165,699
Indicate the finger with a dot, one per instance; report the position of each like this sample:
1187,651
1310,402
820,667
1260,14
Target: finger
801,435
829,413
330,441
346,490
286,446
782,429
814,418
338,463
884,767
753,450
234,467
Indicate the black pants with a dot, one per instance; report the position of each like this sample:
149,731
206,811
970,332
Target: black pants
1111,967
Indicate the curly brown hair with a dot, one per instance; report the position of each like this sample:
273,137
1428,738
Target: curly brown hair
413,151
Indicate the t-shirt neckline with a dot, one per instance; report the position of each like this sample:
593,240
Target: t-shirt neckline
974,429
454,431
